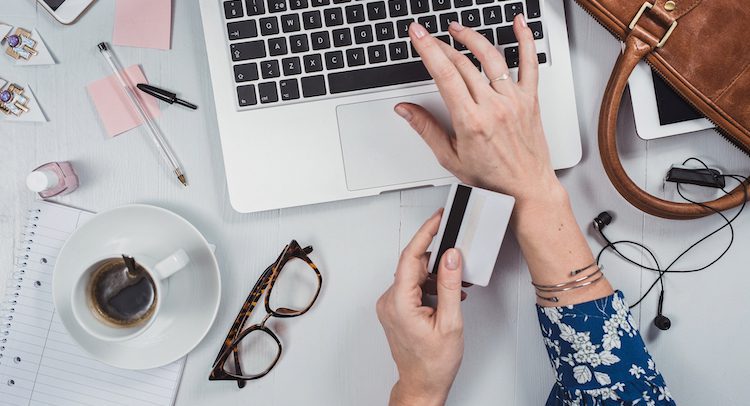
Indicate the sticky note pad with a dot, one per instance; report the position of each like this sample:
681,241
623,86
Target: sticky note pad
116,112
143,23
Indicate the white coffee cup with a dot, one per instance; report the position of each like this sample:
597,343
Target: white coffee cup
159,271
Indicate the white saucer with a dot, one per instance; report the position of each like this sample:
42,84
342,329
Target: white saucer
191,298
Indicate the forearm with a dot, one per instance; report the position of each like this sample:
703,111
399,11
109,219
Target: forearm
402,395
554,245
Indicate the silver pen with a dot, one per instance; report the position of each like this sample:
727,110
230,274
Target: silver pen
156,135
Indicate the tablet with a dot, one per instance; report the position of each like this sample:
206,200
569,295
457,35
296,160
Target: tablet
659,111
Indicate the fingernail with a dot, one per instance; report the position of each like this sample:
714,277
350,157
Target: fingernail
419,31
451,259
455,25
523,20
403,112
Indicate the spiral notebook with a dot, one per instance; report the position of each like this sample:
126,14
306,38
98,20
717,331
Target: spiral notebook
40,364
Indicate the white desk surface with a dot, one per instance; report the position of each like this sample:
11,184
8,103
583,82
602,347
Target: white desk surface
337,355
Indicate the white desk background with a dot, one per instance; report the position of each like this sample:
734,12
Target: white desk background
337,354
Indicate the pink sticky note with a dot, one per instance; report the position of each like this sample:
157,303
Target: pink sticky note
143,23
115,110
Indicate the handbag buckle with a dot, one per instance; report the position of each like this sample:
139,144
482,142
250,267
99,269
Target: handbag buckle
646,6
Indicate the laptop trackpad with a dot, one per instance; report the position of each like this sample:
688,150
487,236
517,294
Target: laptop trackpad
381,149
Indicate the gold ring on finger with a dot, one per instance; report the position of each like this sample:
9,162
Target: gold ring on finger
502,77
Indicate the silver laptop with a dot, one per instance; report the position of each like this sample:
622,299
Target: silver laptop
305,90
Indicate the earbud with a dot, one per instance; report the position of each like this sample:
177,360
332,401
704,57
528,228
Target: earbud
661,321
602,220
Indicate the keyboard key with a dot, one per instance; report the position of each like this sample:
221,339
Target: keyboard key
355,56
276,6
320,40
414,52
246,72
290,23
255,7
248,50
341,1
438,5
444,38
298,43
277,46
445,20
320,3
376,54
511,57
289,89
470,18
402,27
314,86
484,1
362,34
429,23
492,15
291,66
458,45
233,9
397,8
474,60
536,29
512,10
384,31
242,30
313,63
355,13
376,10
270,69
488,34
505,35
398,50
246,95
532,9
419,6
463,3
269,26
541,57
267,92
297,4
311,20
333,17
342,37
334,60
380,76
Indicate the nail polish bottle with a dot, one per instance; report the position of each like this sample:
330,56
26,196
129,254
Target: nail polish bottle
53,179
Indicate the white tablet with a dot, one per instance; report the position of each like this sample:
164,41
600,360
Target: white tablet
659,111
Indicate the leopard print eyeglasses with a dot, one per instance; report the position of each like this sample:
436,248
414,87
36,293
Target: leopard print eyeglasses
241,337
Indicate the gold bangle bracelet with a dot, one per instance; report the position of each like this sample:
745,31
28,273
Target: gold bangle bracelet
577,271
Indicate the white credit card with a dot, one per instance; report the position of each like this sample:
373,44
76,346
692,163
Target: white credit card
474,222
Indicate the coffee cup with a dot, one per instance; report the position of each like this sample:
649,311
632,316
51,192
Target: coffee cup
115,303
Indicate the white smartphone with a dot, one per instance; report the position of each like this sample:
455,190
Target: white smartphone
66,11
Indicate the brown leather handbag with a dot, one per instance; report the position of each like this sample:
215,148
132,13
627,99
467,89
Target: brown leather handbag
702,50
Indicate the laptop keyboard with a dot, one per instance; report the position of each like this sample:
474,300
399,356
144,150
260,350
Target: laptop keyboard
292,51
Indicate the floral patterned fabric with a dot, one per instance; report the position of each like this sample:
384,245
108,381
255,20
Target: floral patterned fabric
599,356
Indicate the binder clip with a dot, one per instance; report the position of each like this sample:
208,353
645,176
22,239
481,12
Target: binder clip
13,101
20,45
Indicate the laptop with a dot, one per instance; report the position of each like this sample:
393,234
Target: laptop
305,89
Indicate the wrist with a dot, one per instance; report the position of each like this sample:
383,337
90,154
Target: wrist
548,197
404,394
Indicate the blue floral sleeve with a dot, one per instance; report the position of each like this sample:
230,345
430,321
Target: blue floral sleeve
599,356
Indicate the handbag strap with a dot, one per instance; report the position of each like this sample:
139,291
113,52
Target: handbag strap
635,50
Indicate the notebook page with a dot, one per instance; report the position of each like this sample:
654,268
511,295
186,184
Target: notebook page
40,364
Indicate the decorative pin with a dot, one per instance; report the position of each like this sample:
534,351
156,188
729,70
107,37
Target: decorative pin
20,45
13,101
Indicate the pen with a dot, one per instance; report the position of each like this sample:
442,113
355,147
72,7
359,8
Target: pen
153,130
165,95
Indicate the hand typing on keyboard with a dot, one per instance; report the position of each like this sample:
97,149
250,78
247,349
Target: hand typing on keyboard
497,141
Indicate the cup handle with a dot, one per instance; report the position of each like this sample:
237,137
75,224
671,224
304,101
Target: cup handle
172,264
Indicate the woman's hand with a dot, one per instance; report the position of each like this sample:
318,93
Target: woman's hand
499,142
427,344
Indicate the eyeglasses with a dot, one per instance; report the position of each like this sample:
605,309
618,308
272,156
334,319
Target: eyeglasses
294,284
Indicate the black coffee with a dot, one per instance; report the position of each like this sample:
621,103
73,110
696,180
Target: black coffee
119,297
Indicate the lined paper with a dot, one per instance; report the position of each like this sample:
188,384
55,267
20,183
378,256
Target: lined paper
40,364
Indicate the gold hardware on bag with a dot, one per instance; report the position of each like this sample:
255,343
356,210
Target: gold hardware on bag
646,5
670,5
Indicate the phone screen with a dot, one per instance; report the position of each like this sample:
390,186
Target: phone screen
54,4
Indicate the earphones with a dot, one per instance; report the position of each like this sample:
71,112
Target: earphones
604,219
